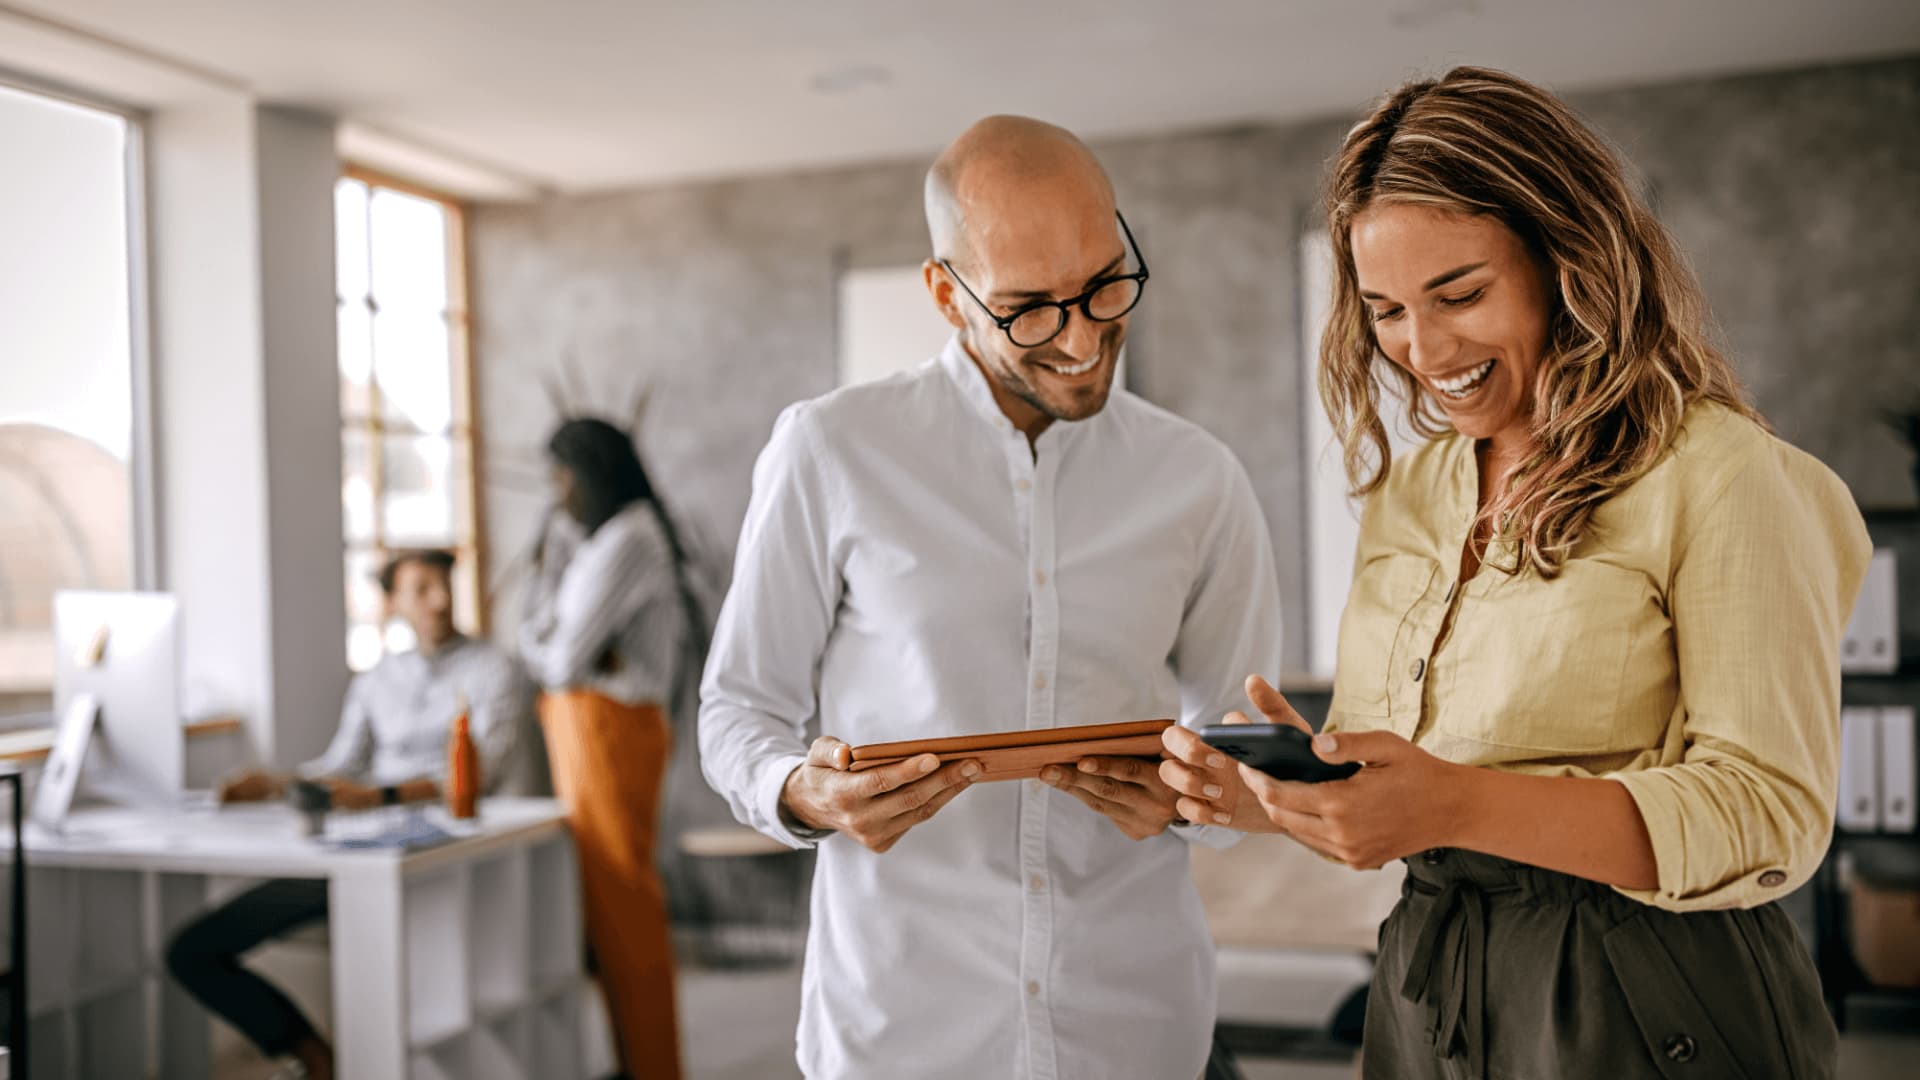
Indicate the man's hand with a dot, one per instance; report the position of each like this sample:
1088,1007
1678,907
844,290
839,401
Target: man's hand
1208,782
252,785
877,806
1127,789
348,795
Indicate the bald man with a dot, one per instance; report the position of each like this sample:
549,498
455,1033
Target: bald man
999,539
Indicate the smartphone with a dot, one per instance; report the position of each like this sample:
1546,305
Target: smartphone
1280,751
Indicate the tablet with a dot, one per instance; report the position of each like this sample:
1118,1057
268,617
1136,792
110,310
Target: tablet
1020,755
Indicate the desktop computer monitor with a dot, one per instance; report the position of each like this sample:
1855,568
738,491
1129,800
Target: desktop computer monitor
122,649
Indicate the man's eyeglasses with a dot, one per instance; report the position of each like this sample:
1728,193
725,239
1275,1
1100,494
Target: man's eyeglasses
1041,321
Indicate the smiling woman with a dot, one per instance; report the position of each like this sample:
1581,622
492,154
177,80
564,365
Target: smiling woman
1590,656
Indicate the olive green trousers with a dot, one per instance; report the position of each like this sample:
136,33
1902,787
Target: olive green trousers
1490,968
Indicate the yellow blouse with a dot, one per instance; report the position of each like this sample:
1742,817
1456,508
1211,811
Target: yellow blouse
1689,650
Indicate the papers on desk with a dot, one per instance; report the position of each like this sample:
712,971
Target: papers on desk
409,833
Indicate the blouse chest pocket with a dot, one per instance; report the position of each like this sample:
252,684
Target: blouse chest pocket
1385,592
1541,664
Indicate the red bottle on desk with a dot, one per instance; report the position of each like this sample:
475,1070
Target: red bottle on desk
463,770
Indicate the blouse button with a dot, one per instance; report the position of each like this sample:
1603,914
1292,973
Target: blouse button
1773,879
1419,669
1024,485
1679,1048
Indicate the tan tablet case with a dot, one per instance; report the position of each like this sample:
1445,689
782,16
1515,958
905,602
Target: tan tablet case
1020,755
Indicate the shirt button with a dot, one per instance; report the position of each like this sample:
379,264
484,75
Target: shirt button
1037,882
1040,682
1679,1048
1419,668
1039,577
1773,879
1034,785
1033,989
1023,485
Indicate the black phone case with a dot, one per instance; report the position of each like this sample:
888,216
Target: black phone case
1282,752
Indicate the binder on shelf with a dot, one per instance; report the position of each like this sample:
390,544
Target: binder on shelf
1872,641
1896,769
1859,809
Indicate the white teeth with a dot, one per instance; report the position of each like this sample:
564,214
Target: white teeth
1463,385
1077,369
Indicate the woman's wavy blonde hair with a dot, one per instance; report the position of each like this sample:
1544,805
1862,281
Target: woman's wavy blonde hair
1629,341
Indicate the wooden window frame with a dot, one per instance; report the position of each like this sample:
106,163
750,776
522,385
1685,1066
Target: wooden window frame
463,427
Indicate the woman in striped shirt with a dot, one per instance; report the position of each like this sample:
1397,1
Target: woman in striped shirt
607,631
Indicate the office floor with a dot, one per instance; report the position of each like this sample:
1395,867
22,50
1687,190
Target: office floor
738,1025
719,1046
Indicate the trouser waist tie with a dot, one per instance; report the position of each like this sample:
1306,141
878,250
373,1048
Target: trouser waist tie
1446,973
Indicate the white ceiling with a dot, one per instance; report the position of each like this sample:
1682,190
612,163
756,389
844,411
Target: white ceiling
576,95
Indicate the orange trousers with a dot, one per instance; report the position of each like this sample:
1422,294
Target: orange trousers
609,763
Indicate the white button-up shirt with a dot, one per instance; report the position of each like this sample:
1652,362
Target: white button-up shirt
394,724
911,568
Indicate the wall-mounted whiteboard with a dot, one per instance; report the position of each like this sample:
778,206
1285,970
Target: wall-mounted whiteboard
887,323
1333,519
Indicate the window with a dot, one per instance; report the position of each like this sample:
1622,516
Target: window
407,476
68,447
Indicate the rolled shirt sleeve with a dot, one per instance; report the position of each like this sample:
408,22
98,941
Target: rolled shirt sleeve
1741,809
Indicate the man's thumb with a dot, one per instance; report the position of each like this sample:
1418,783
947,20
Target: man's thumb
828,752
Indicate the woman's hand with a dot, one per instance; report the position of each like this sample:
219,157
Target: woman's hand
1212,791
1403,801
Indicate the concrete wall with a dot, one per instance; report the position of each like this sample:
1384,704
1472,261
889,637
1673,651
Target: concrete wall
1797,195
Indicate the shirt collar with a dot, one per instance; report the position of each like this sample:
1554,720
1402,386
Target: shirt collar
1503,553
453,645
972,384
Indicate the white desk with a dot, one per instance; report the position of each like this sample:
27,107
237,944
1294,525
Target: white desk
457,961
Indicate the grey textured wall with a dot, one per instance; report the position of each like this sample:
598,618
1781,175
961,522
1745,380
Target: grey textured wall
1796,194
1798,198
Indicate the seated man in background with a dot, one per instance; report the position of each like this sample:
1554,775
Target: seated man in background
391,748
